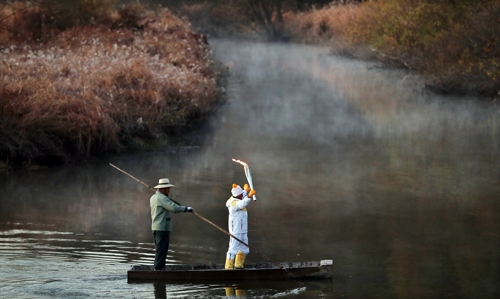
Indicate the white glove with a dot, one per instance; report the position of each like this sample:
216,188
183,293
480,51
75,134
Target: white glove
189,209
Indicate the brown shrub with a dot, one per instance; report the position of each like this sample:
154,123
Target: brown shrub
321,25
41,20
455,44
92,90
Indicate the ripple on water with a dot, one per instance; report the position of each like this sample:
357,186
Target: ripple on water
35,244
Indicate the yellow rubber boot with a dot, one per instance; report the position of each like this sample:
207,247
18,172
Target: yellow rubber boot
230,291
229,264
240,260
241,293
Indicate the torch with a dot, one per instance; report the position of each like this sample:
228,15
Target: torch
248,174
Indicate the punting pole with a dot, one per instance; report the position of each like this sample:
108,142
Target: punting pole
208,221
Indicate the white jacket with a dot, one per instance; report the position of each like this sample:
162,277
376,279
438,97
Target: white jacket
238,216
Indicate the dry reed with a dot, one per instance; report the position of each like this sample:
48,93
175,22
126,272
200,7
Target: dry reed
93,90
455,46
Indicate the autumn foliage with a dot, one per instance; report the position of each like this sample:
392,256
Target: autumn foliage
454,44
120,79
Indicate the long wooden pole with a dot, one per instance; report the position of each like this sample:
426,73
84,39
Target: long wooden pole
206,220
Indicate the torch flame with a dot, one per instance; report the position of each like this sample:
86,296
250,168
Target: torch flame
241,162
247,174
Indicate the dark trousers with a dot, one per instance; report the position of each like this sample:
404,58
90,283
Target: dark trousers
162,241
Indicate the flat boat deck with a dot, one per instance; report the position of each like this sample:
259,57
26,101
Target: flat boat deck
260,271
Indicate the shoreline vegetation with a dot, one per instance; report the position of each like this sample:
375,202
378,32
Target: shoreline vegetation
86,80
453,44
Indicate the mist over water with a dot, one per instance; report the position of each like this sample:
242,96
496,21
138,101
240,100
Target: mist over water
351,162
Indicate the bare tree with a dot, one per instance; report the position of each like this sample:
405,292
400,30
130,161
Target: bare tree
268,14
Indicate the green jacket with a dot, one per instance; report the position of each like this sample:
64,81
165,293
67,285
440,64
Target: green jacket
161,206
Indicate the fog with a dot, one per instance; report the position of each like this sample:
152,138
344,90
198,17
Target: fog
351,161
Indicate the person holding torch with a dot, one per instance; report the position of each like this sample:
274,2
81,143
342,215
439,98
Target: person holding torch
238,225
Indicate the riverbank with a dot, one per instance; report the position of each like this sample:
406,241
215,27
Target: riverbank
454,46
116,81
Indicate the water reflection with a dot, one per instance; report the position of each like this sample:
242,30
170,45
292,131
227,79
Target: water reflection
160,290
262,289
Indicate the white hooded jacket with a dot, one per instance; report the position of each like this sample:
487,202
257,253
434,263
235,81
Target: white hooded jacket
238,216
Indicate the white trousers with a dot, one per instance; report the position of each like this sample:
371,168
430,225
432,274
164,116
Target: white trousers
235,245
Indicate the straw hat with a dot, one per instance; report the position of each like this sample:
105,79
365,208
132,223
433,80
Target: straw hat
164,183
237,190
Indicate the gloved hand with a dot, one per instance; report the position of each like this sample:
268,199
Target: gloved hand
189,209
252,193
246,188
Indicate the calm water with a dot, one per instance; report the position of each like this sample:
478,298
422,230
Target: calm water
351,162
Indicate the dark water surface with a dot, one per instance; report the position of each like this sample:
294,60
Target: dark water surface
351,162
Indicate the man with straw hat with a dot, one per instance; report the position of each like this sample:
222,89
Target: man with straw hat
238,226
161,207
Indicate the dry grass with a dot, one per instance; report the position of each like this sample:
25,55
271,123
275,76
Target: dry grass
99,89
332,26
456,46
321,25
